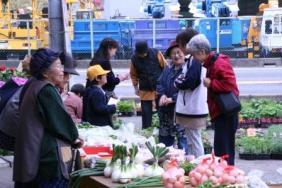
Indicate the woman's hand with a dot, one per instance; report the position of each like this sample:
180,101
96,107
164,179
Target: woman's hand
78,143
168,101
162,100
123,77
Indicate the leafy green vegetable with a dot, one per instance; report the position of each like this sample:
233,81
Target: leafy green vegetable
187,166
125,106
253,145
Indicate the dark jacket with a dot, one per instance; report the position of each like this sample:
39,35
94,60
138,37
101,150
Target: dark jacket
95,108
222,80
148,70
112,80
165,84
44,124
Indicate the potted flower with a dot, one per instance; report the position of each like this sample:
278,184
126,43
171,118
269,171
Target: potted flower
206,142
274,134
254,148
125,108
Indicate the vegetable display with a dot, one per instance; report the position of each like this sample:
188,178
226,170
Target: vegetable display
121,168
97,170
173,177
217,172
157,151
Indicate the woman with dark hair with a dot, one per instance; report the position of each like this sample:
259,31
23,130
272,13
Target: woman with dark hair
105,52
46,132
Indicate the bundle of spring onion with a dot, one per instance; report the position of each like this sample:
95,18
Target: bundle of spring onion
121,168
157,151
76,176
154,181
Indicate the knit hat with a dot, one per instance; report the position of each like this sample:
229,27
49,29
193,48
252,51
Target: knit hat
94,71
41,60
68,62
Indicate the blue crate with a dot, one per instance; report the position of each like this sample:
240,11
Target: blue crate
160,24
208,28
105,25
126,25
225,33
81,25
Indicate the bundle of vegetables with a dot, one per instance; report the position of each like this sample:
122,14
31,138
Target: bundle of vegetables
173,177
157,151
154,181
216,171
97,170
121,169
188,166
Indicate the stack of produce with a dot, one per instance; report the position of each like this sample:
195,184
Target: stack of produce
158,151
121,168
217,172
173,177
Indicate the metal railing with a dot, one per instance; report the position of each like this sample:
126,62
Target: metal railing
240,37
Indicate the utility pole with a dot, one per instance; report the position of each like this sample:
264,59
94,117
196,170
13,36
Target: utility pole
56,25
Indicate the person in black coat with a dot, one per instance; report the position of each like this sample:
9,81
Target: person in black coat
95,108
105,52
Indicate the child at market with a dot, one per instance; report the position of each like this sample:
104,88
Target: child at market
73,101
95,108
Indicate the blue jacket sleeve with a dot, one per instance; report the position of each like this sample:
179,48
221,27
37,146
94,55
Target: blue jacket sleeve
161,82
192,78
99,105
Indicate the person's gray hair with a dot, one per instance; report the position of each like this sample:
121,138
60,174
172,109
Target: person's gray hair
198,43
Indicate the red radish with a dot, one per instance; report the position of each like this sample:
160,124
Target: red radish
209,172
173,177
193,181
214,180
181,179
169,185
204,178
178,184
198,176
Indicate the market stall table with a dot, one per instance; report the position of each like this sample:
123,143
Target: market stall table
102,182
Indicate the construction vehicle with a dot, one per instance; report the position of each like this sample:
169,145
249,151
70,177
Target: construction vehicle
21,35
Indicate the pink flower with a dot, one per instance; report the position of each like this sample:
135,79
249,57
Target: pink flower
2,67
2,83
19,81
13,69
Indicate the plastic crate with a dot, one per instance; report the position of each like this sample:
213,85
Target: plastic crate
160,24
81,25
126,25
106,25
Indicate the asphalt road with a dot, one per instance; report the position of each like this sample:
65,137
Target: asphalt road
254,81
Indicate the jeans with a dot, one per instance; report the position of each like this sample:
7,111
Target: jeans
169,141
224,136
182,143
194,141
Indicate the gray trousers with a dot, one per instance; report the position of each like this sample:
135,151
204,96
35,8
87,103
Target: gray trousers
194,141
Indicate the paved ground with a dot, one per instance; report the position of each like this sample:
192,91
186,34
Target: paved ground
271,169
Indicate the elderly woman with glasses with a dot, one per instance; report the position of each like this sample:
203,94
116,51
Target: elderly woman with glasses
220,78
46,132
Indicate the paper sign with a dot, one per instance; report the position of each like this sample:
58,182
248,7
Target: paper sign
113,101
